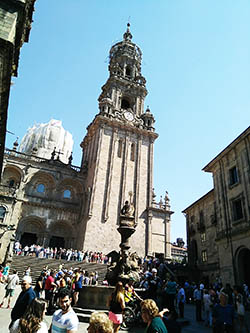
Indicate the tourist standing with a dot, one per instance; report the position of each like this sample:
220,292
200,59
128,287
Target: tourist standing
6,271
116,306
27,271
1,275
240,309
223,315
11,283
207,307
170,294
39,284
24,299
181,299
78,285
32,320
150,316
64,319
197,296
154,285
49,288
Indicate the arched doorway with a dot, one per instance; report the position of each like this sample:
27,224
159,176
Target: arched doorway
30,230
28,238
61,235
243,266
57,241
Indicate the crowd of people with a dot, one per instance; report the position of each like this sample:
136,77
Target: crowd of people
162,299
60,253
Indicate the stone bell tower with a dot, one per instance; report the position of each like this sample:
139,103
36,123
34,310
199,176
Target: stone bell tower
118,153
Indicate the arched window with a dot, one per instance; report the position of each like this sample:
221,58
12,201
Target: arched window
125,104
40,188
132,153
2,213
128,71
67,194
119,151
11,182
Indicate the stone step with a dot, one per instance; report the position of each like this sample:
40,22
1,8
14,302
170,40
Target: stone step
20,263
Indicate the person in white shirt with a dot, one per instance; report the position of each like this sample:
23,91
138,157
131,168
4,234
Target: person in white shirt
207,303
64,320
11,283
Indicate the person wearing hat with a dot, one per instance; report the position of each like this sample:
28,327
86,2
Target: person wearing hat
24,299
223,315
154,284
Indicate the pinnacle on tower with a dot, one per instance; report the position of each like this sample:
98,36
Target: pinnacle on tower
127,36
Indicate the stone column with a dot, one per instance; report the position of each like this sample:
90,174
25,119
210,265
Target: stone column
99,145
105,214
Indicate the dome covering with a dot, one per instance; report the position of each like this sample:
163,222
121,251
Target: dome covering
45,137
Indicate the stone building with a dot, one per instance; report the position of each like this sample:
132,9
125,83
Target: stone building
56,204
40,198
15,26
218,224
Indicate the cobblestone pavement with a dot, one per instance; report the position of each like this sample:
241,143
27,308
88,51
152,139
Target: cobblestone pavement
189,313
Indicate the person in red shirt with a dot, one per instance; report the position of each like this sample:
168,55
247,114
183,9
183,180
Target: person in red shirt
49,288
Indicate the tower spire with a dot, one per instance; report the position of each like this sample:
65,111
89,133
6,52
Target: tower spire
127,36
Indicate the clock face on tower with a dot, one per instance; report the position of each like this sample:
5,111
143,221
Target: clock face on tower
128,115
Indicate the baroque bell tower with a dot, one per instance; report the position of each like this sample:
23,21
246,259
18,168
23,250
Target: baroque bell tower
118,155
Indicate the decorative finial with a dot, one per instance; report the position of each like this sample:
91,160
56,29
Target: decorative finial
153,195
127,35
167,201
70,158
53,154
15,144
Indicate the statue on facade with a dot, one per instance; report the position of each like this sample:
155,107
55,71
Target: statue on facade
53,154
128,209
70,158
125,265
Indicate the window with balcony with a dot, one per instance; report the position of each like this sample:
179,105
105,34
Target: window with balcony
237,210
233,176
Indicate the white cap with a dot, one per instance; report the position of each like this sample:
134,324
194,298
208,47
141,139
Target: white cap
154,270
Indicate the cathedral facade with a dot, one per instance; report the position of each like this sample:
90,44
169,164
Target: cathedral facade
56,204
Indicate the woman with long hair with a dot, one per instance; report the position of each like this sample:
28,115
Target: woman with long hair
116,305
32,320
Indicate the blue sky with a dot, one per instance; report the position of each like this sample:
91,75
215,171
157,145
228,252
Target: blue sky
196,59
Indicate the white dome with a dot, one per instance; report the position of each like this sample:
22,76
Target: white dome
46,137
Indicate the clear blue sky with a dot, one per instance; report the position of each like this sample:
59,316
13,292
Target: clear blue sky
196,59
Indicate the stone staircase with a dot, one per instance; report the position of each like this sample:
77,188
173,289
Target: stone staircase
20,263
